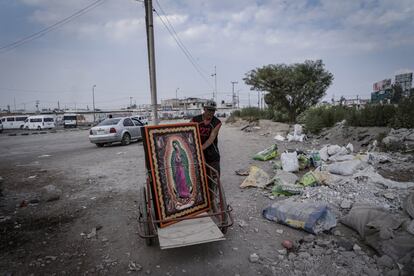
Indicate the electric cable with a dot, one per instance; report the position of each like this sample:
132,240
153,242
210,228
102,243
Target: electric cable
36,35
183,48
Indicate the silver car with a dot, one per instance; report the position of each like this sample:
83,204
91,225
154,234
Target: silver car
116,130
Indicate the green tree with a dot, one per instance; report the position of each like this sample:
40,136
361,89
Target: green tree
291,88
397,93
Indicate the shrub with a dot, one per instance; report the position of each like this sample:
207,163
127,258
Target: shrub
317,118
372,115
404,115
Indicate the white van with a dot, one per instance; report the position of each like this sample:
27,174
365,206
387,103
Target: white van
11,122
40,122
142,118
70,120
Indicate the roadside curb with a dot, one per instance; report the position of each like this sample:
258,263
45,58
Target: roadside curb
43,132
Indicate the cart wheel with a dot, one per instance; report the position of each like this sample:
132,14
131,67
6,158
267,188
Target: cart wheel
147,217
219,205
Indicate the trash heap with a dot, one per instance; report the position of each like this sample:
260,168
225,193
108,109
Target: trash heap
337,185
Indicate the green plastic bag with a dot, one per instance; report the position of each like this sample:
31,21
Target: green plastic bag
309,179
267,154
303,161
286,189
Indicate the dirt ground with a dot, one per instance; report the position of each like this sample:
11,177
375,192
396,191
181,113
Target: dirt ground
99,188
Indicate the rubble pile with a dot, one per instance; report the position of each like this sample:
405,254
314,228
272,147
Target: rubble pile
399,139
317,189
342,192
359,136
331,256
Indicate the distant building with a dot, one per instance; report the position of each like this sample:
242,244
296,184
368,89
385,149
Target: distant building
405,81
353,102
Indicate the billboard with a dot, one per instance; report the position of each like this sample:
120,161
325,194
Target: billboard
405,80
382,85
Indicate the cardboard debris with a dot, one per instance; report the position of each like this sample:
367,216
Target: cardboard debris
257,178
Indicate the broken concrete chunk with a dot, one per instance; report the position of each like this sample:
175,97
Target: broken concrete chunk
409,204
254,258
92,233
346,204
50,193
369,174
389,196
410,227
385,261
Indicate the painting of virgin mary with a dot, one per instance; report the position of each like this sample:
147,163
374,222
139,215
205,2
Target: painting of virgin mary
180,169
176,164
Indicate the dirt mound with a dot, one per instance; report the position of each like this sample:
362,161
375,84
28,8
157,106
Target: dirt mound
359,137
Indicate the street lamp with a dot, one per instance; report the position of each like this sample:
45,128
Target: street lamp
93,101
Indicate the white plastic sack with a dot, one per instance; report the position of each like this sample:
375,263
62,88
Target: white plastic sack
297,130
339,157
290,161
323,153
345,168
279,137
298,138
350,148
333,149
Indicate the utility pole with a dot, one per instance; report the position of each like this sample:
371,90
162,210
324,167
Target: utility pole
151,58
14,100
234,96
215,83
93,102
258,99
130,102
249,98
238,99
58,106
176,96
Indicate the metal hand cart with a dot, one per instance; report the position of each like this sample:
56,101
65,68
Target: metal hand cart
206,227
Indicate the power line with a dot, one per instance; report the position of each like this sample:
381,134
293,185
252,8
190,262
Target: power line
179,43
24,40
179,39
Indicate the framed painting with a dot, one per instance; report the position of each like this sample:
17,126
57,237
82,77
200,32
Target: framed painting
175,162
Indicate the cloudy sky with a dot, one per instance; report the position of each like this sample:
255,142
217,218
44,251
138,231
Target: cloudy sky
360,42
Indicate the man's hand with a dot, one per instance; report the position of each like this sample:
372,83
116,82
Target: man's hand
213,136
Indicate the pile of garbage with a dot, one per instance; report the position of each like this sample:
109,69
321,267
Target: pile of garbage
337,185
400,140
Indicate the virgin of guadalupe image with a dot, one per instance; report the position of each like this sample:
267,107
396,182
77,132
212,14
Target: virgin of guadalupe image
179,165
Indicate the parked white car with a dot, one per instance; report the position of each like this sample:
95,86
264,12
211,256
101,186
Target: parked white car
40,122
116,130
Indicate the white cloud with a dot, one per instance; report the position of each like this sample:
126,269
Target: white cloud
123,29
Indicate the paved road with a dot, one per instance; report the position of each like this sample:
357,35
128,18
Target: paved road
100,188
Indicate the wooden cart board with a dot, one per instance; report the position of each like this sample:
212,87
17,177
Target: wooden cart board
189,232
